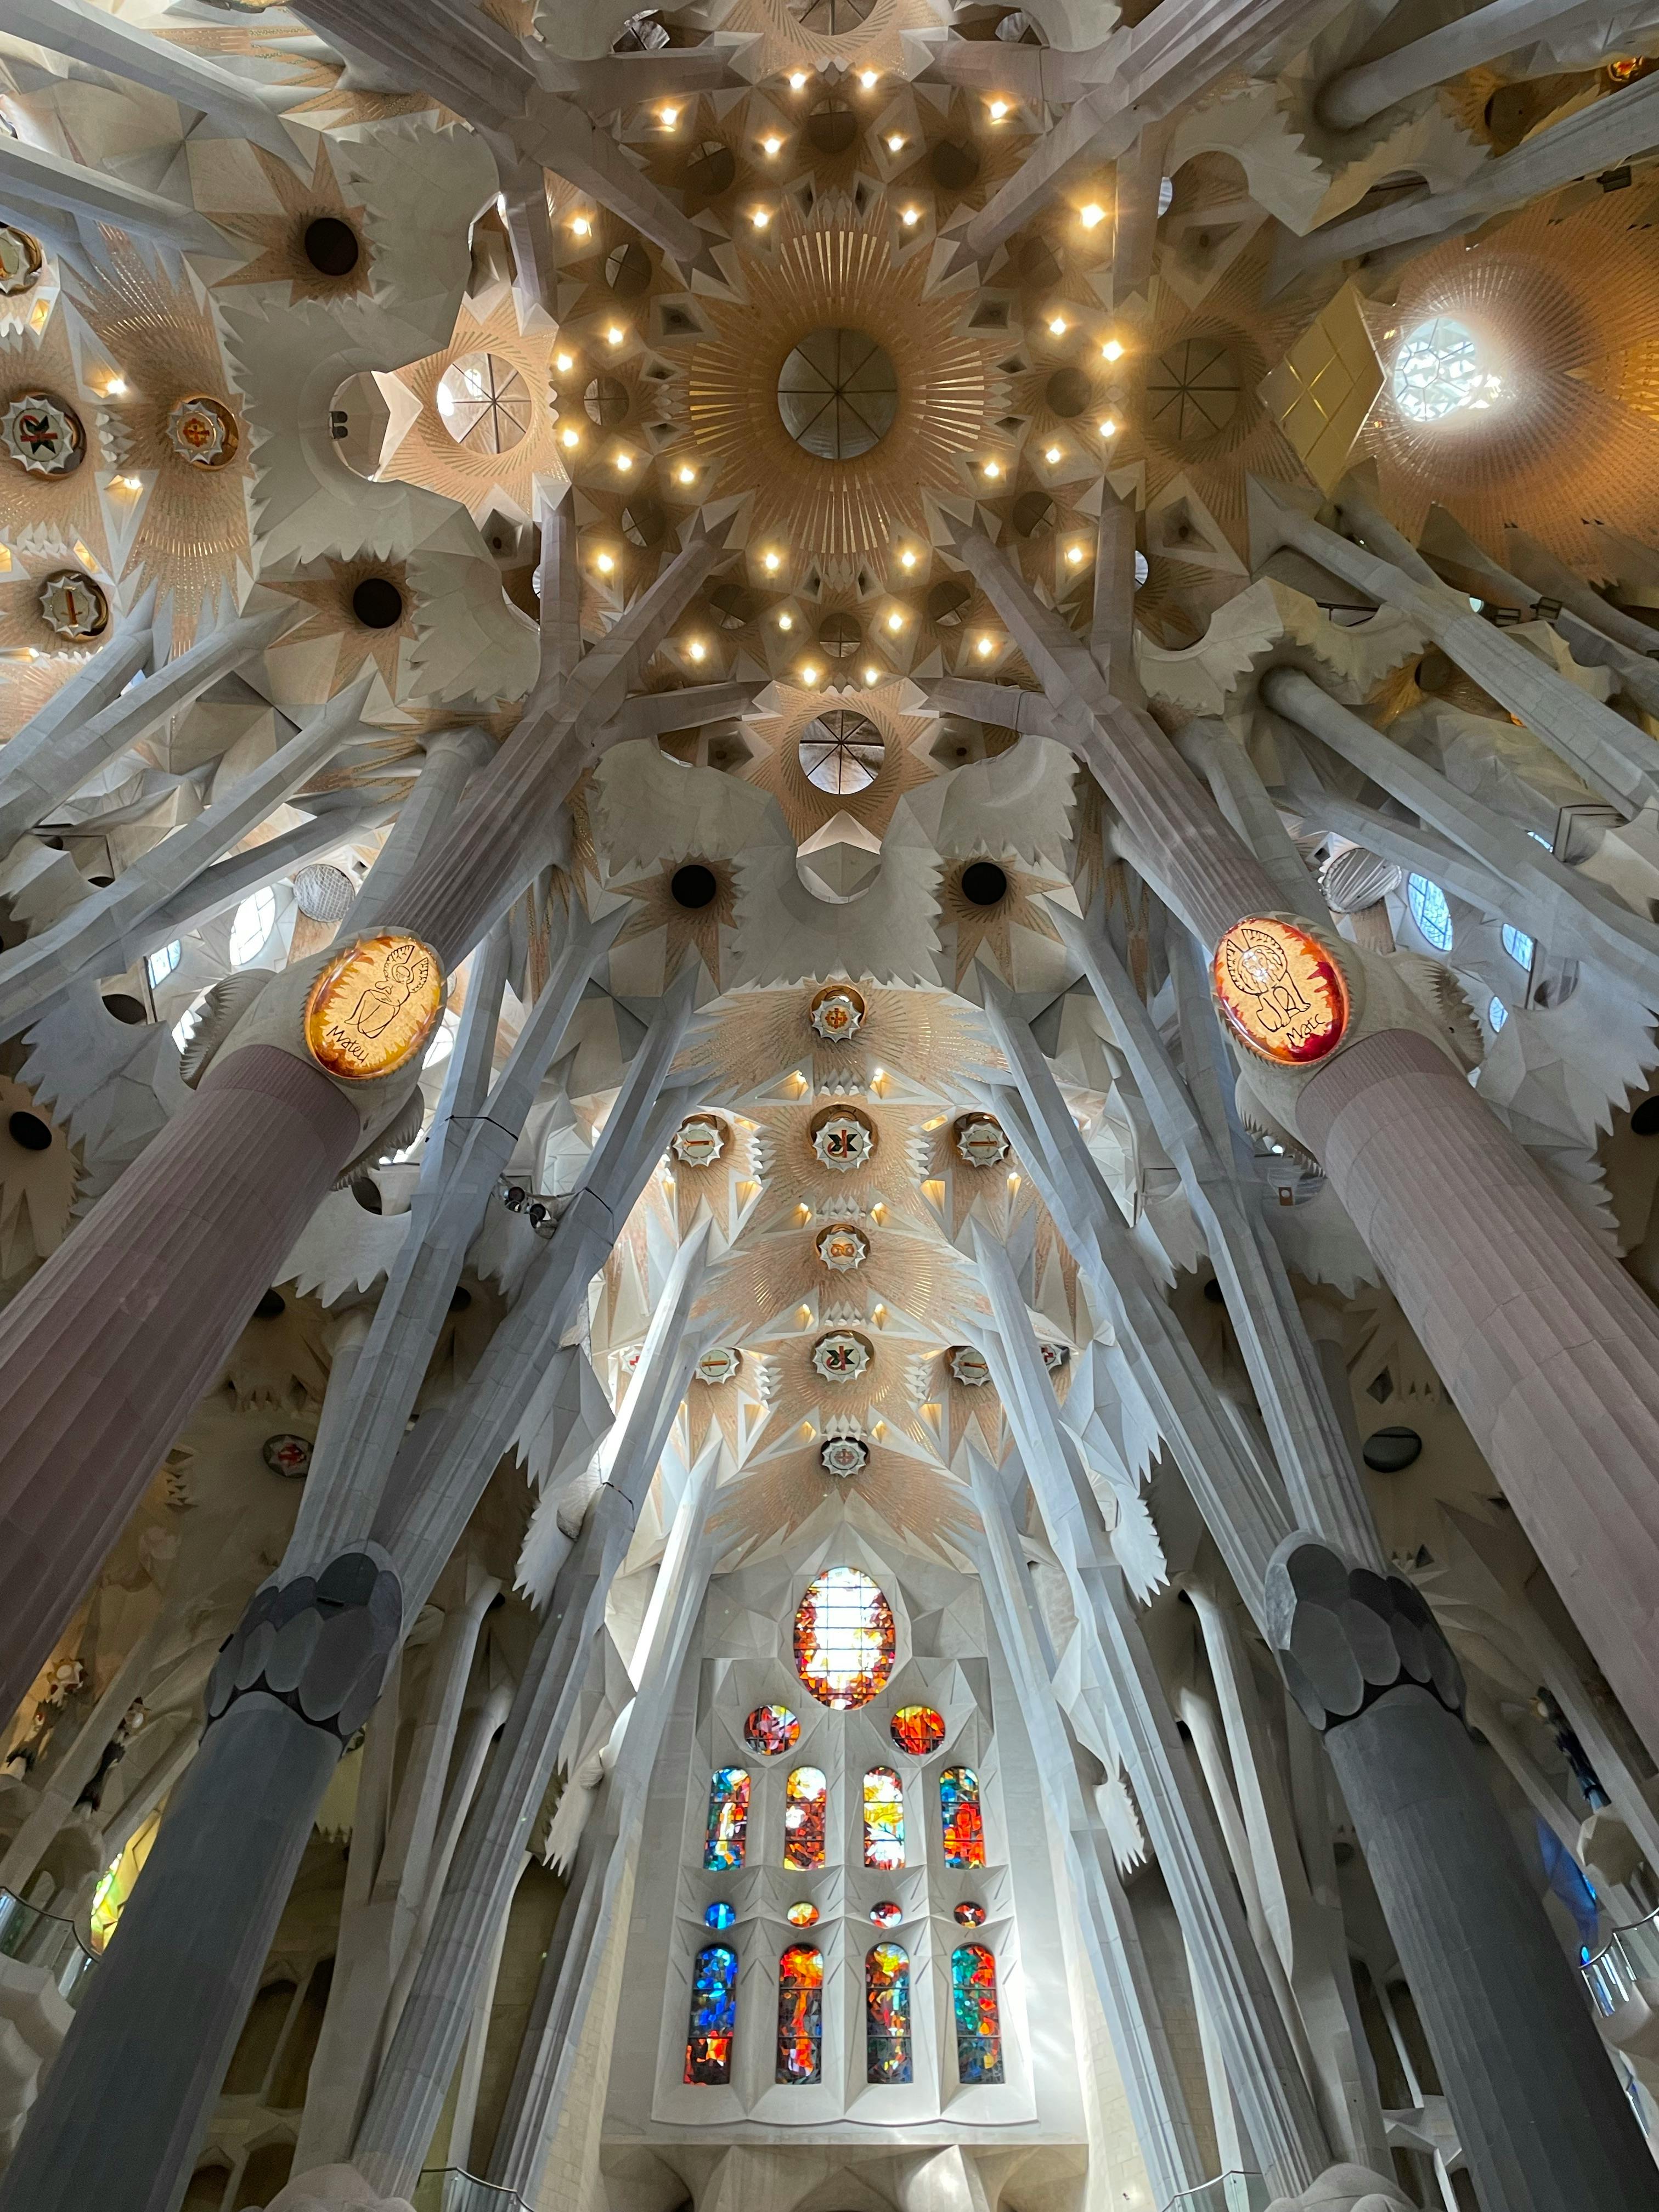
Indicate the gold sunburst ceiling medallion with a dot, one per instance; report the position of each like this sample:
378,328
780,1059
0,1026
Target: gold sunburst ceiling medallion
833,274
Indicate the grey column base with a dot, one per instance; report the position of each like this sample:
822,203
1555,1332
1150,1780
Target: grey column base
1545,2126
123,2112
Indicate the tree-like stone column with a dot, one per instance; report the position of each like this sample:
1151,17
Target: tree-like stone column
1369,1668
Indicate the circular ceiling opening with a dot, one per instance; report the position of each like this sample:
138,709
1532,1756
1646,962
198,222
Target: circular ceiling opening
484,403
606,402
842,751
29,1130
1068,391
1192,391
693,885
1438,370
832,125
331,246
984,883
838,394
377,603
954,166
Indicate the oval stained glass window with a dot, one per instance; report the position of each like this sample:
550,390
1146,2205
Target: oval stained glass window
959,1817
771,1728
720,1914
806,1807
886,1914
714,2018
844,1640
968,1915
978,2017
800,2013
883,1820
917,1729
887,2014
802,1916
728,1820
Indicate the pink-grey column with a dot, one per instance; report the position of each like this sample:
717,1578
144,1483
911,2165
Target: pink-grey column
105,1352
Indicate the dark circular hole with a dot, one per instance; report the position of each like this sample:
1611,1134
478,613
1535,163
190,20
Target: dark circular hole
377,603
517,1199
331,246
1032,511
712,170
460,1298
644,521
1644,1122
1212,1291
946,601
606,402
840,636
954,167
126,1008
1388,1451
627,269
271,1306
735,605
367,1192
693,885
832,126
29,1130
1068,391
983,883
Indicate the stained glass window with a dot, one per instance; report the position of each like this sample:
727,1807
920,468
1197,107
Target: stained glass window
1430,911
771,1728
805,1806
887,2014
714,2017
720,1914
959,1816
978,2025
728,1819
887,1914
883,1820
844,1640
802,1916
969,1916
917,1729
800,2013
1518,945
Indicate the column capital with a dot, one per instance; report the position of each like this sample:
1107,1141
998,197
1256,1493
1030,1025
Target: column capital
319,1644
1345,1637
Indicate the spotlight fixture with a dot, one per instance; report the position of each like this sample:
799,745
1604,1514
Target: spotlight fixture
1108,428
1091,215
564,362
1112,350
785,622
986,647
999,109
896,621
771,145
615,334
994,469
697,649
894,140
1052,456
909,217
1057,325
908,559
671,116
581,225
685,473
760,218
605,564
869,79
570,437
796,80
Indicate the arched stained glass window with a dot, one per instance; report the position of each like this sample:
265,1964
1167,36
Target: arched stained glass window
844,1640
1518,945
959,1816
800,2013
887,2014
979,2024
713,2019
805,1805
728,1820
883,1820
1430,911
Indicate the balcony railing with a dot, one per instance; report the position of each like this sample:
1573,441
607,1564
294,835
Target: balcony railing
1610,1976
41,1938
1228,2192
448,2189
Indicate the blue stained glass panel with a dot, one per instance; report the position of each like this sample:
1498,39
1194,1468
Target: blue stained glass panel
978,2016
720,1914
1430,911
714,2020
728,1820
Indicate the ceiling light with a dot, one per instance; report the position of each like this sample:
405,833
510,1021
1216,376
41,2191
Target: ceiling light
1074,554
697,649
994,469
895,620
130,483
869,79
671,116
564,362
910,217
999,109
1057,325
872,676
1092,213
1112,350
771,565
1108,428
986,647
570,437
605,564
894,140
785,622
809,675
582,226
797,79
115,387
1053,456
624,462
760,218
686,473
772,145
907,559
615,334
